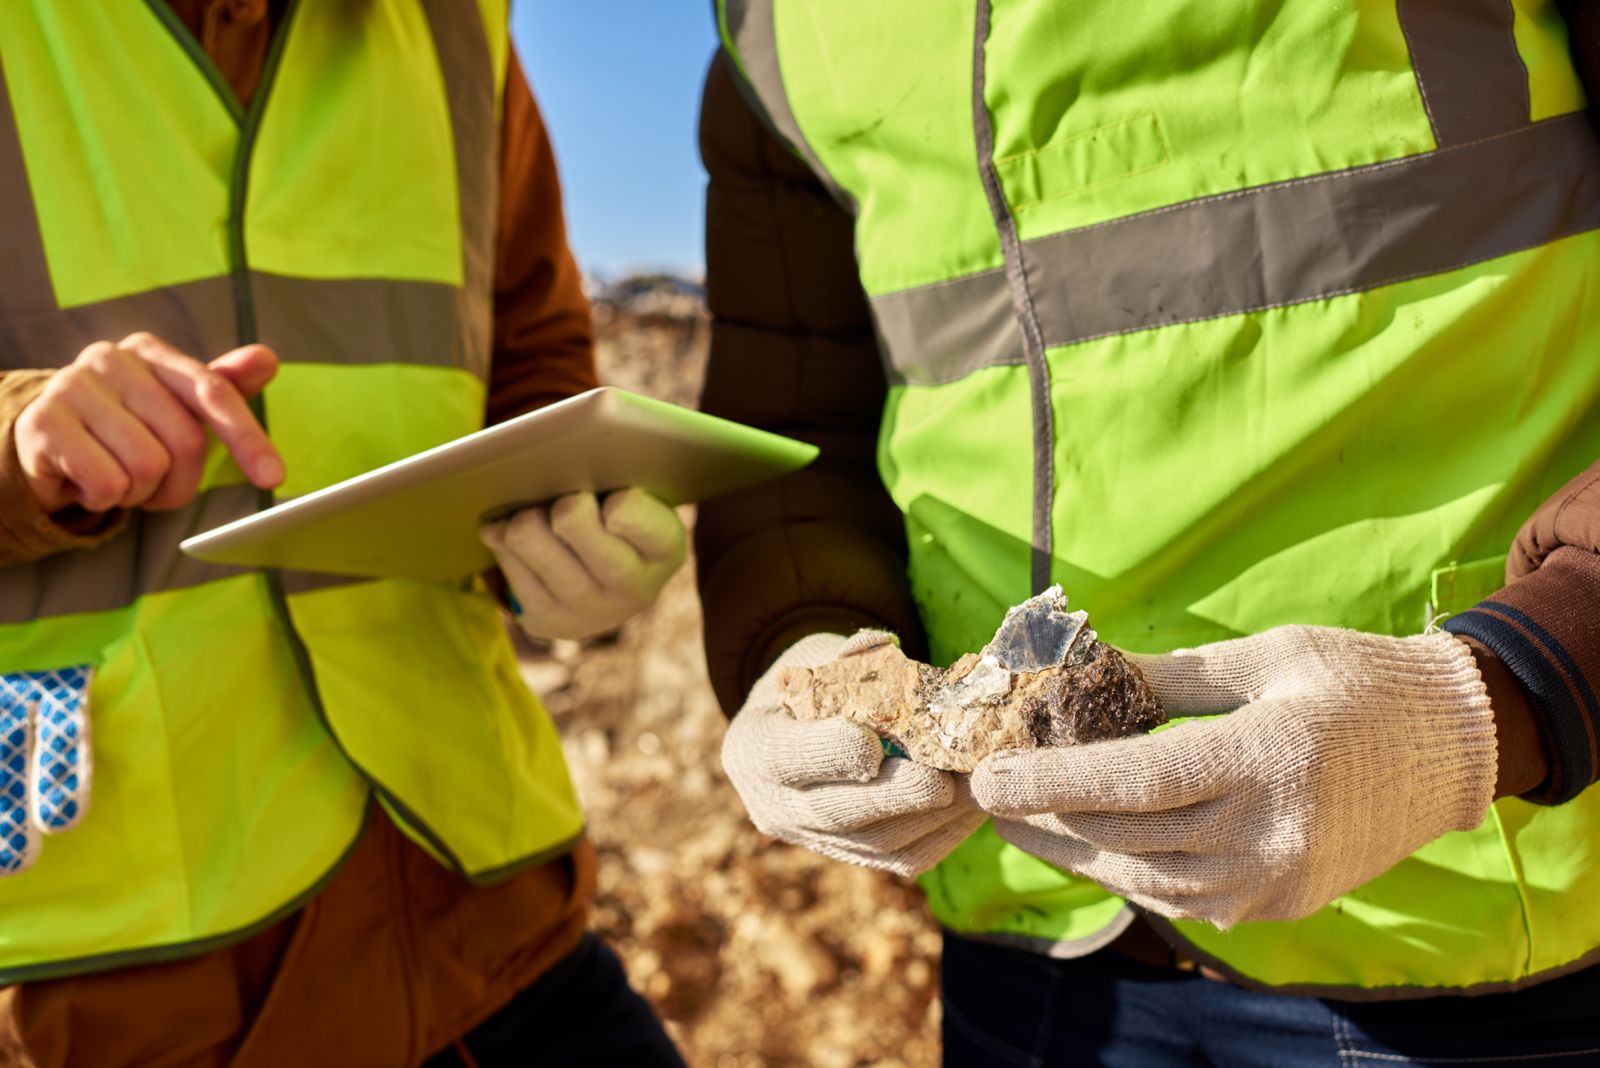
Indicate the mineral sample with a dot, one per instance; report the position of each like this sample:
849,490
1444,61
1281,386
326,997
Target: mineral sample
1045,679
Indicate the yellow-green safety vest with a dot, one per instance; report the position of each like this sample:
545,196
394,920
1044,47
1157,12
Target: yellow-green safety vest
1223,315
243,719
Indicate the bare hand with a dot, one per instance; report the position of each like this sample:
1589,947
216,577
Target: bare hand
124,425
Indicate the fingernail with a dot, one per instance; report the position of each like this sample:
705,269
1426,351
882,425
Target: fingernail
269,470
516,605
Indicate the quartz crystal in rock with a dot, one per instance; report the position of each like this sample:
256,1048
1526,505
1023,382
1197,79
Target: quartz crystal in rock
1044,679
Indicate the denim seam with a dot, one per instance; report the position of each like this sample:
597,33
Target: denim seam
1402,1059
1342,1040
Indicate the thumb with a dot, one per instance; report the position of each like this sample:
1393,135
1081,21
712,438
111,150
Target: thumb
249,368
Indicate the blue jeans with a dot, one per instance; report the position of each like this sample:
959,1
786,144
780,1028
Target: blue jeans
580,1013
1007,1007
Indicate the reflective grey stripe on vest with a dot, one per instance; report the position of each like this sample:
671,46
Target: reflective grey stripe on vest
363,320
311,320
1470,75
1261,248
468,68
750,24
144,559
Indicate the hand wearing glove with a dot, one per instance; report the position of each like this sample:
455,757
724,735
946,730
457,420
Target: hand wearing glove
578,568
44,759
1347,753
825,784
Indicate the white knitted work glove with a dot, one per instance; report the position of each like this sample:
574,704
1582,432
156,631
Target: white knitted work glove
825,784
45,766
1350,752
577,568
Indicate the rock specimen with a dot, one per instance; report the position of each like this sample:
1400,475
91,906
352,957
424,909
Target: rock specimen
1043,680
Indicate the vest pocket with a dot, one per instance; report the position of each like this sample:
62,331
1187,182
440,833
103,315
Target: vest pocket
1077,162
1457,587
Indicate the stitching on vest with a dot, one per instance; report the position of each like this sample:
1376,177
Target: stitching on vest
1527,78
1416,74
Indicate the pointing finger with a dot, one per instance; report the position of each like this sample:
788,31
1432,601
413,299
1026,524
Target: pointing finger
217,402
249,368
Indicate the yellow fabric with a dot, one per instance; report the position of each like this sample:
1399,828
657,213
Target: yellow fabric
89,144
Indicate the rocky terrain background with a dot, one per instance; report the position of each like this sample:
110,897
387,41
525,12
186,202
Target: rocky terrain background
755,953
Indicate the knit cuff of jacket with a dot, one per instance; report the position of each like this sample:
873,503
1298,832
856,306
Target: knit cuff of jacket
774,588
1545,630
27,531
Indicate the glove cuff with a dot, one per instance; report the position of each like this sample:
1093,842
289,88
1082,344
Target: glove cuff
1458,753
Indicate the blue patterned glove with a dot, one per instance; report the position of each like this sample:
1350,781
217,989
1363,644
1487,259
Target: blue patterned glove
44,759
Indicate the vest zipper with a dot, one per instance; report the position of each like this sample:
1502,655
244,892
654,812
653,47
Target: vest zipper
1027,318
244,306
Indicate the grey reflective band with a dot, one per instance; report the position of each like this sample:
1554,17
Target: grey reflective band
751,26
305,320
1470,75
26,295
1266,247
142,559
195,316
332,320
362,320
944,332
468,68
1022,307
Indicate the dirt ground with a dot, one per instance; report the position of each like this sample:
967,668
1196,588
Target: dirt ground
755,953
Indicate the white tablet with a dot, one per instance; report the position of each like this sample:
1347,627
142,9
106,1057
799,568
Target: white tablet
418,517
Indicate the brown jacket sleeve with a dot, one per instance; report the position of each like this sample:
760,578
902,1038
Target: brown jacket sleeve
543,334
1545,628
792,350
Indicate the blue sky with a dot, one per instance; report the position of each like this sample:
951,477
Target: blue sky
619,84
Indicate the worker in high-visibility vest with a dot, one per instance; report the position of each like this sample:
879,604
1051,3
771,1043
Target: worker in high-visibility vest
264,817
1263,328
